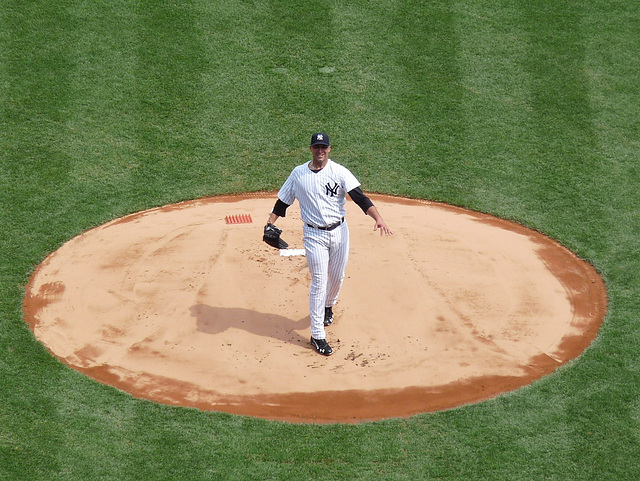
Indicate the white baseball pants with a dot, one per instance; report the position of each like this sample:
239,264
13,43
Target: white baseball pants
327,255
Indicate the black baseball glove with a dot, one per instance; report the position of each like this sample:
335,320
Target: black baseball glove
272,237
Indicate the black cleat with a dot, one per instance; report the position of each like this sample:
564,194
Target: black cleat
322,346
328,316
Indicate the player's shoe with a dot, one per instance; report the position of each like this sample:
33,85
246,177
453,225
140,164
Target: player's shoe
328,316
322,346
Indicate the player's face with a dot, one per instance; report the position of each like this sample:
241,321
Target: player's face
320,153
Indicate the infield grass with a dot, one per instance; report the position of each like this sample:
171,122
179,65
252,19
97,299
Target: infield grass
526,110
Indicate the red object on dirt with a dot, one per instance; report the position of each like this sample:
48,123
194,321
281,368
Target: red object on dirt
239,219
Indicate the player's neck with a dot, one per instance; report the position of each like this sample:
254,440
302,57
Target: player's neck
318,166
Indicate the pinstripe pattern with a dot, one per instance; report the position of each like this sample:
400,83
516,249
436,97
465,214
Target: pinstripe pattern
322,198
327,255
322,195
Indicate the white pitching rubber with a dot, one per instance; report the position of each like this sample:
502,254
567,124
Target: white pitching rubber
291,252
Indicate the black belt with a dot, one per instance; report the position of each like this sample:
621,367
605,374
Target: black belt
328,227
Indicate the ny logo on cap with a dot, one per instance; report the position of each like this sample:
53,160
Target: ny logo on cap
319,137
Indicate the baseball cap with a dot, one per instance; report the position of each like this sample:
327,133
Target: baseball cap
320,139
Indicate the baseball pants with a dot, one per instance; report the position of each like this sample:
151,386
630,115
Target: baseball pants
327,255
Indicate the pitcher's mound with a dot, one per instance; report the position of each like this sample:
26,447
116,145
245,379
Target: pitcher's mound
185,305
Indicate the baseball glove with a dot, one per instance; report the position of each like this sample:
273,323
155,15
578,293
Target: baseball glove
272,237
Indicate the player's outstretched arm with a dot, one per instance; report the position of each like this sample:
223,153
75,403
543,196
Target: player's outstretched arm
380,224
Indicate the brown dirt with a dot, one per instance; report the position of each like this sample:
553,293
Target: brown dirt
177,306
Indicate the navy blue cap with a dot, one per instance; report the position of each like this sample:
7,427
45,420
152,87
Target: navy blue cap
320,139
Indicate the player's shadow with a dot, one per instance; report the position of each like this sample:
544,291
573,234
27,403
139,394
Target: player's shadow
214,320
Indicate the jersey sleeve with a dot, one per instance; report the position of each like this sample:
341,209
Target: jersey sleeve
360,199
280,208
349,180
287,192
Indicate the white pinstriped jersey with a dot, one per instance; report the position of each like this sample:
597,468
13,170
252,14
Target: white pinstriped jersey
322,195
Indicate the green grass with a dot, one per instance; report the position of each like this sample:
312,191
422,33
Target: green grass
527,110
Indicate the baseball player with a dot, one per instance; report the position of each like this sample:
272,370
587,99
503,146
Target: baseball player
321,186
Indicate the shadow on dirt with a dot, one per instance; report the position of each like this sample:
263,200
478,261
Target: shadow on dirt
214,320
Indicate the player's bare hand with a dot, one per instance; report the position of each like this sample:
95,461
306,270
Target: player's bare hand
382,227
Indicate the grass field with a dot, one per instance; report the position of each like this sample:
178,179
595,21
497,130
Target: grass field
526,110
